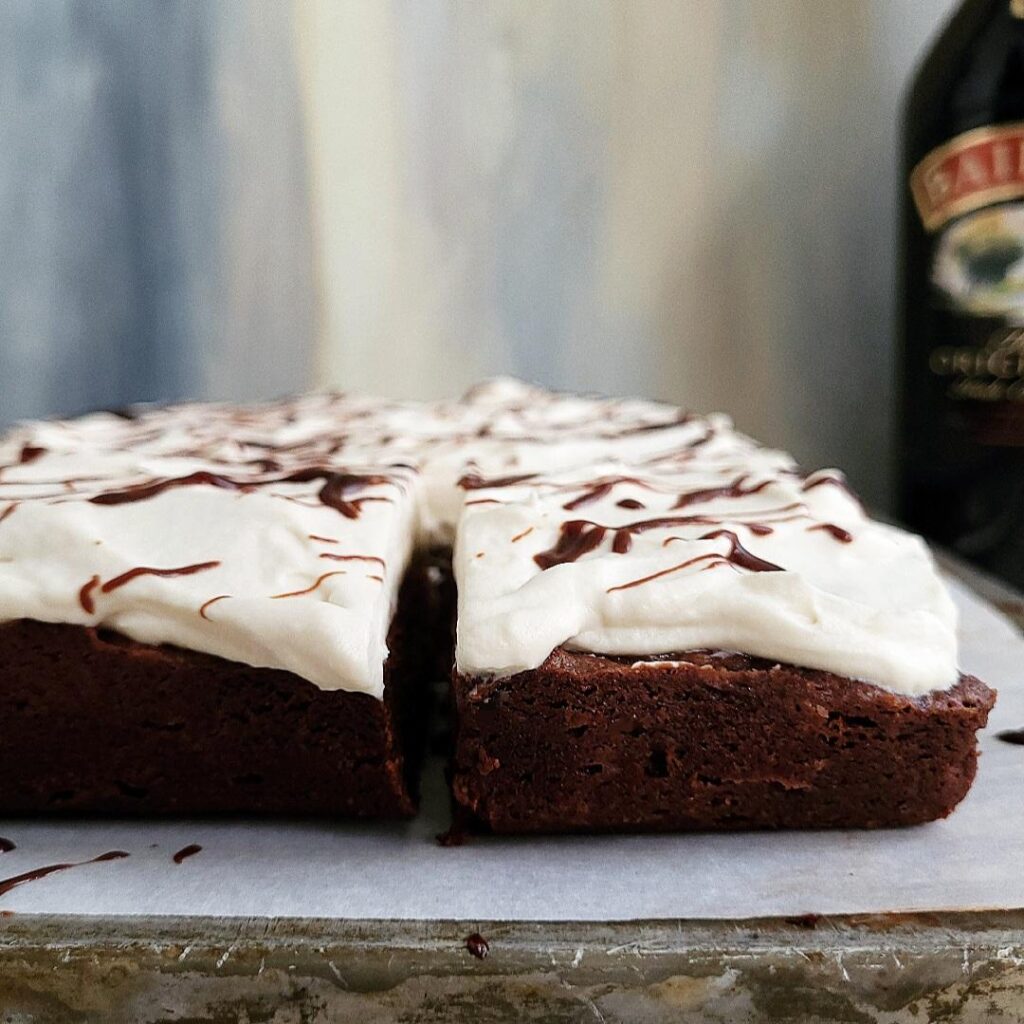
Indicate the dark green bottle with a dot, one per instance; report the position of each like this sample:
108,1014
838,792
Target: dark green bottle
961,365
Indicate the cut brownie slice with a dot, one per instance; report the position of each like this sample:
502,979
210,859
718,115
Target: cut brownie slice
96,723
706,741
195,605
595,605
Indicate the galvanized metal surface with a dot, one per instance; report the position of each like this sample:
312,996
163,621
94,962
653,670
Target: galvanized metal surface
966,967
957,967
1008,600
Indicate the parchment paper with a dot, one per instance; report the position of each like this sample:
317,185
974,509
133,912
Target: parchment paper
973,860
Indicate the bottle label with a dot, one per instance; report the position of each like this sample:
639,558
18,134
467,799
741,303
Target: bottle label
970,196
974,170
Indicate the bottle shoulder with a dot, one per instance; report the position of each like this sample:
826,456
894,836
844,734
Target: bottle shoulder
973,75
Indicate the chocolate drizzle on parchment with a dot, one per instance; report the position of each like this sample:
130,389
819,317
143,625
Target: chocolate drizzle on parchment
7,884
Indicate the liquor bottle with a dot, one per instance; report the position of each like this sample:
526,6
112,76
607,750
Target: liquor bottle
961,451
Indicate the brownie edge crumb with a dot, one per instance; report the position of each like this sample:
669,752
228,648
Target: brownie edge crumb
97,724
587,743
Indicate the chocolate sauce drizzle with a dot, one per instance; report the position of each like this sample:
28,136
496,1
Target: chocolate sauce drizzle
837,532
339,488
185,852
29,453
832,481
822,481
645,428
577,537
602,488
476,482
145,570
313,586
737,555
331,556
1014,736
737,489
207,604
7,884
88,603
338,491
85,595
143,492
713,559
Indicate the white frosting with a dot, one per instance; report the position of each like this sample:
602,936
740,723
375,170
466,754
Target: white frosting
262,539
872,608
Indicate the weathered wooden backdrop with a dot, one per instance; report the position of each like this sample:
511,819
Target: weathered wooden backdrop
154,216
688,198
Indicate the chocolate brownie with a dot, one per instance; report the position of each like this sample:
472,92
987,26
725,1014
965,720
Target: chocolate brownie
706,741
709,637
196,602
96,723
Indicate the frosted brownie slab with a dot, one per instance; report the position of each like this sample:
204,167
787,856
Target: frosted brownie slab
722,545
223,608
213,608
704,638
196,605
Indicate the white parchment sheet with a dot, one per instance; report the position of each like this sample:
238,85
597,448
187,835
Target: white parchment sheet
970,861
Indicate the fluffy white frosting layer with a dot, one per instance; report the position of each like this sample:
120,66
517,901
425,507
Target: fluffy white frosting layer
727,547
263,572
278,535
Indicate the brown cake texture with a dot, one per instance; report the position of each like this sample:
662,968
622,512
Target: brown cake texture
95,723
92,722
705,741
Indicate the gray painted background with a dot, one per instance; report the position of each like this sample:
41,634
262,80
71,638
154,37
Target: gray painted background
154,235
692,199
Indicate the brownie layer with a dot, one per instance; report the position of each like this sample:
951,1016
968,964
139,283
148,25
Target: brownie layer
706,741
94,723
